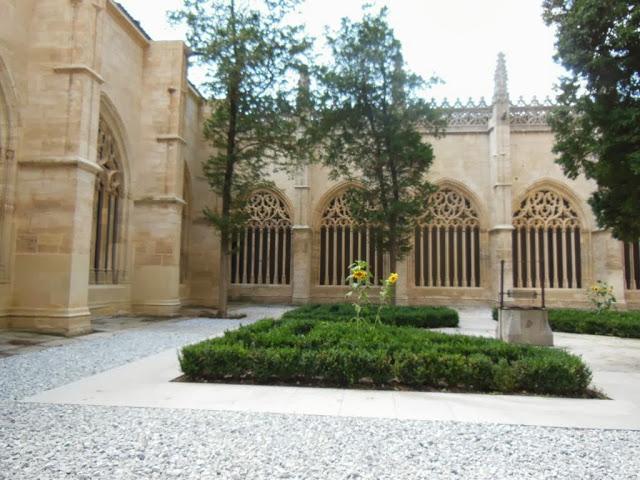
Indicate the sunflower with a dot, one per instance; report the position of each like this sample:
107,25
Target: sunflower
360,275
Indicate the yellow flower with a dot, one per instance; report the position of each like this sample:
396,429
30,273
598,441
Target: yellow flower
393,278
360,275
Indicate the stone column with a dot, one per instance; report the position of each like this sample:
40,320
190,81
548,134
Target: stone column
159,176
608,254
302,240
57,168
501,227
402,285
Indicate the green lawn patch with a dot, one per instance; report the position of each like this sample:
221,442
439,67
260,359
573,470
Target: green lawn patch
610,323
334,352
421,317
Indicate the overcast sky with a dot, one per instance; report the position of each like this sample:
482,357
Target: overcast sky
457,40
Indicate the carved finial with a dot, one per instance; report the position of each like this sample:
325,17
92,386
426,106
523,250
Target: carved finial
500,93
304,91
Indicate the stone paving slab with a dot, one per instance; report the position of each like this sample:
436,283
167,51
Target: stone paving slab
148,383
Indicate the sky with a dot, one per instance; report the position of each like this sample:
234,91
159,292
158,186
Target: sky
456,40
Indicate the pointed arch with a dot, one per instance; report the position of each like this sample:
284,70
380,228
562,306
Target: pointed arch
547,238
343,239
262,251
185,223
447,239
108,261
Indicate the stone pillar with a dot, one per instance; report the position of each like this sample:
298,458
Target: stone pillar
608,254
158,208
302,240
57,168
500,231
402,285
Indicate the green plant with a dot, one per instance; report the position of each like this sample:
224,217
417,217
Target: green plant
332,351
386,293
601,296
419,317
359,281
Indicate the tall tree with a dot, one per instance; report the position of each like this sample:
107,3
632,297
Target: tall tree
597,121
250,51
370,127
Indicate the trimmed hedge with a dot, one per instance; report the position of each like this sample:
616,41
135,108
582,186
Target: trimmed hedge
611,323
311,351
421,317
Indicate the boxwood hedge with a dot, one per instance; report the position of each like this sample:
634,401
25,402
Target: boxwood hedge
422,317
611,323
331,352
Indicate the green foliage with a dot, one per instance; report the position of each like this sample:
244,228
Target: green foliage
609,323
367,129
420,317
337,352
597,122
249,51
601,296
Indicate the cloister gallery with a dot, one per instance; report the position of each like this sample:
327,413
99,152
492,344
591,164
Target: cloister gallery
102,192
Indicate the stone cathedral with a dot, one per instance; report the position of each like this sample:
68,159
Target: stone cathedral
102,193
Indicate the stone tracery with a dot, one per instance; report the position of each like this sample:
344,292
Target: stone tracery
107,215
447,242
342,241
546,242
262,251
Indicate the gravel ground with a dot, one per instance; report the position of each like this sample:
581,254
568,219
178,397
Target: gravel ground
79,442
25,375
55,442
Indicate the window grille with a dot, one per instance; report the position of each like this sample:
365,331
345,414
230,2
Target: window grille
632,265
261,252
106,214
343,241
546,241
447,242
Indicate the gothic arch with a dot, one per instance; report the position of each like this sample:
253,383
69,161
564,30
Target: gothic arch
585,217
447,239
185,223
262,251
547,243
112,200
341,240
9,122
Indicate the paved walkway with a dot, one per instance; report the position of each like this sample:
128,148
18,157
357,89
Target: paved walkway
78,420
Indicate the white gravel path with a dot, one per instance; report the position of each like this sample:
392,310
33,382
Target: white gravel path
78,442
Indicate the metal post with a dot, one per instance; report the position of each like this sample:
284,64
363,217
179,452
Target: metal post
542,272
501,284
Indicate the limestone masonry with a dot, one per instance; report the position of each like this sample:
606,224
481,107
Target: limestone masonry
102,193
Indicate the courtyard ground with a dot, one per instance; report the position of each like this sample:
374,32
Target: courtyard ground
62,415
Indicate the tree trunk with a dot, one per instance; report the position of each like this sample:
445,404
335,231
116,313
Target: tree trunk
223,279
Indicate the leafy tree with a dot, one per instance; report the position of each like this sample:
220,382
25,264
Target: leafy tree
597,122
370,129
249,51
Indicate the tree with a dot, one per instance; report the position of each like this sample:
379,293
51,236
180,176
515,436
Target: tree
597,121
369,126
250,53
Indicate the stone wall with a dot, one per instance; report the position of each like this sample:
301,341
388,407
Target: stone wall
66,65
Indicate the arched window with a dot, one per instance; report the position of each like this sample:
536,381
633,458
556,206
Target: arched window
105,268
632,265
261,253
546,242
184,228
447,242
343,241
